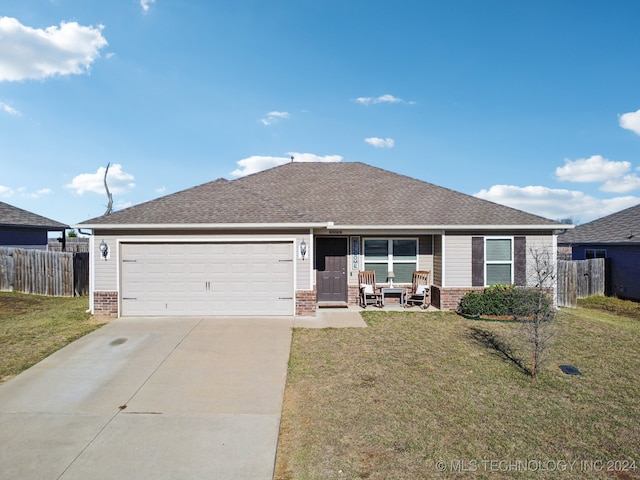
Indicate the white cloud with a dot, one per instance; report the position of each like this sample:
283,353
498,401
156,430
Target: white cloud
145,4
35,53
380,142
631,121
381,99
257,163
273,117
9,109
39,193
593,169
117,180
6,192
121,205
628,183
161,189
556,204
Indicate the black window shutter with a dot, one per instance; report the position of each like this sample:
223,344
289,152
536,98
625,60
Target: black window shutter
520,261
477,261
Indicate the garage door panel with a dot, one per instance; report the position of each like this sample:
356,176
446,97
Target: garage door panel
154,268
154,250
174,268
207,279
242,268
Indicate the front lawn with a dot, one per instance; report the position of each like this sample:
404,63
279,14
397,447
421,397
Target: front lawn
32,327
420,395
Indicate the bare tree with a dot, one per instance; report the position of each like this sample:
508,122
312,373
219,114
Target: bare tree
106,187
538,326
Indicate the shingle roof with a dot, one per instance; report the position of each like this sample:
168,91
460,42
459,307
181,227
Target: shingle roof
16,217
620,227
346,193
217,202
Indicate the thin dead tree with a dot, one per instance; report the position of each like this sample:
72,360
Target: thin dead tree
539,328
106,187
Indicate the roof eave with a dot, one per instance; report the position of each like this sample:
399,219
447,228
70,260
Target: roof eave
39,227
195,226
330,225
452,227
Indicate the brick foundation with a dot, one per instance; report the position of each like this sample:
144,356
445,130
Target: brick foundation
353,295
105,304
449,298
306,303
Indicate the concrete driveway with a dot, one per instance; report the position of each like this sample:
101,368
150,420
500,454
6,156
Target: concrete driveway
151,398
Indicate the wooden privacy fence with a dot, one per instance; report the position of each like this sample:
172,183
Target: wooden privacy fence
580,279
56,274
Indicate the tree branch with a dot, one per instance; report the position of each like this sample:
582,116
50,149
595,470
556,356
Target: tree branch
106,187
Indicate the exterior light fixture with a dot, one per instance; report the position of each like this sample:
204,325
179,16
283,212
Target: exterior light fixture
104,249
391,276
303,249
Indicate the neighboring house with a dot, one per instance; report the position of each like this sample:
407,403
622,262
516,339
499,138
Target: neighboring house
22,229
616,238
289,239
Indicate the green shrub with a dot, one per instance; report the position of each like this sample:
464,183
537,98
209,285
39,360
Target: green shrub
502,300
472,303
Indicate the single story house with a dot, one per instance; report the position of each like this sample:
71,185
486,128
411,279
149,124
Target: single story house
289,239
22,229
615,238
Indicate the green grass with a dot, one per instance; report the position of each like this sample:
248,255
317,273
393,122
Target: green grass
32,327
415,389
614,305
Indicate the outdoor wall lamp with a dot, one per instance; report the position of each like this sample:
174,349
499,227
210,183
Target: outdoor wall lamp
303,249
104,249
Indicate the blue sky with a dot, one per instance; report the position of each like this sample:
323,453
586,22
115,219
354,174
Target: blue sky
533,104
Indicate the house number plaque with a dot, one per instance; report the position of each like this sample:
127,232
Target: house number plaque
355,253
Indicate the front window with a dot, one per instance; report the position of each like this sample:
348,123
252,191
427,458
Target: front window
594,253
499,261
384,255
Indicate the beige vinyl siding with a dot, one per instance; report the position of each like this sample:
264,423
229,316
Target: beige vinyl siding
425,254
457,255
303,267
536,243
437,260
105,272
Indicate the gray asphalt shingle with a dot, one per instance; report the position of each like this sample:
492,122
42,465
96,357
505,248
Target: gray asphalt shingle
620,227
17,217
346,193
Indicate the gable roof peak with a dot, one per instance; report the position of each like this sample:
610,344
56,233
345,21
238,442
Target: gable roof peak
14,216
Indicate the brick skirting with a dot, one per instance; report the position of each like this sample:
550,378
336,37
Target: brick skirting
449,298
306,303
353,295
105,304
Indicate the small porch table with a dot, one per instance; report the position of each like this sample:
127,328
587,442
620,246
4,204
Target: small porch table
394,290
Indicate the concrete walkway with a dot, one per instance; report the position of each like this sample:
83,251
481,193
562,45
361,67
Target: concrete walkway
151,398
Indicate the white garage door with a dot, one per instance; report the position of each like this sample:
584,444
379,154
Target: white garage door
207,278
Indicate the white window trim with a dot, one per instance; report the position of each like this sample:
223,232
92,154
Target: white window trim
497,262
595,252
390,255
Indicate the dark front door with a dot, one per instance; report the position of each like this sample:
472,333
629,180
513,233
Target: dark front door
331,269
